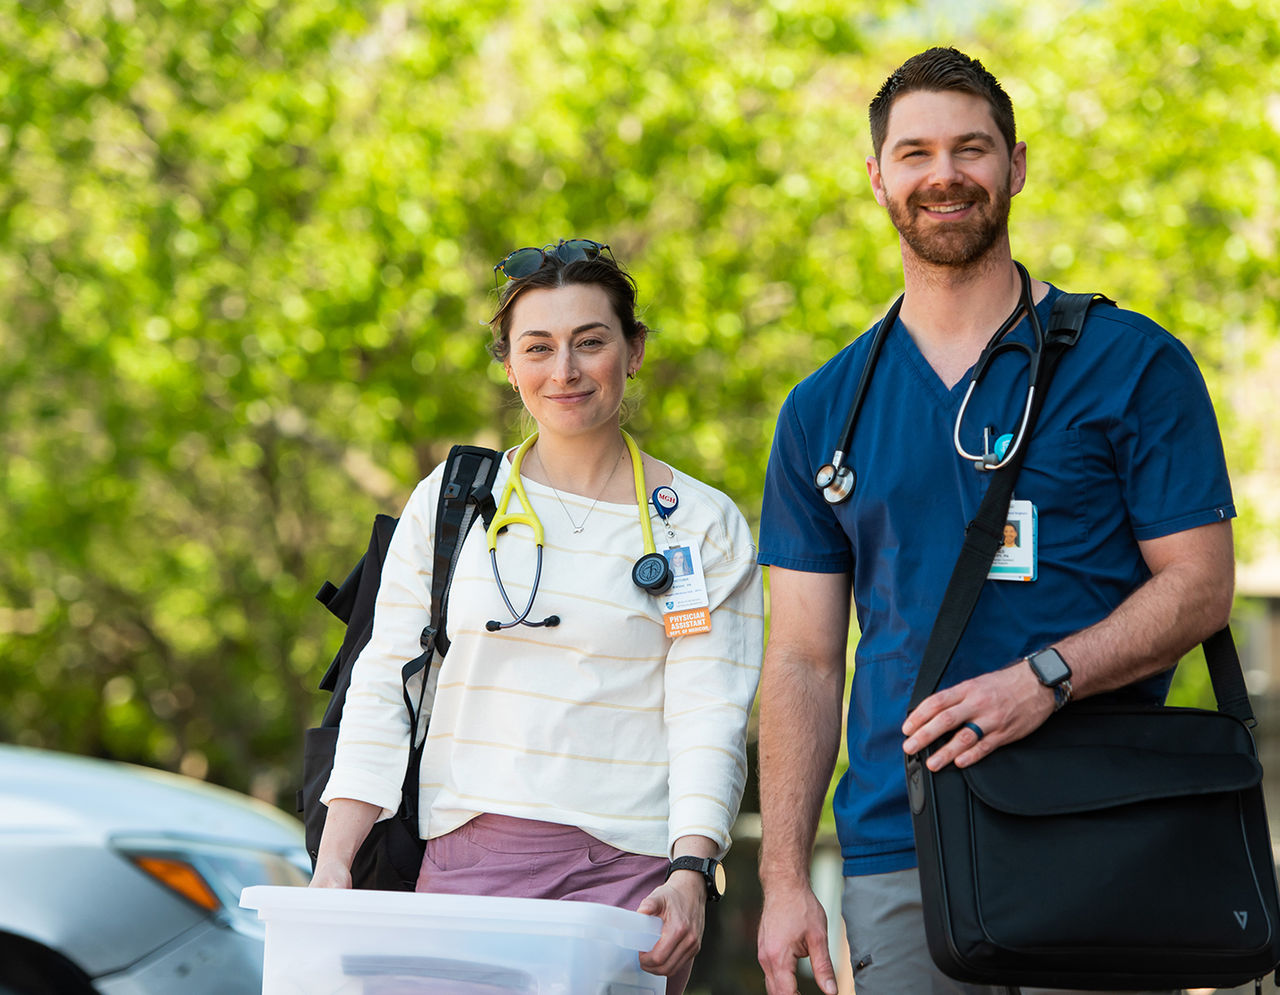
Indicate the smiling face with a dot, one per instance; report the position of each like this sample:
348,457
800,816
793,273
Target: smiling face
569,359
946,176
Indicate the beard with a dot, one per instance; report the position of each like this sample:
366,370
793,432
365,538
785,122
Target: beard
956,244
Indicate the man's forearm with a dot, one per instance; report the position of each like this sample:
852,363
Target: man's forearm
1182,604
1186,599
800,707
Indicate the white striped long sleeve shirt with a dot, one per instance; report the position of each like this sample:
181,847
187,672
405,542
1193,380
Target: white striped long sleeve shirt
602,722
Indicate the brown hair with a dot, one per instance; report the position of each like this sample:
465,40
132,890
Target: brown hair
602,271
941,69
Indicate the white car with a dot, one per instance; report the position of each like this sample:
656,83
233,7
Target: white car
122,880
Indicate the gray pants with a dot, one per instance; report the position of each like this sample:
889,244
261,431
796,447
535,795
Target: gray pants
883,918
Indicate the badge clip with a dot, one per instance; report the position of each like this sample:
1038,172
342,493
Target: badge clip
665,501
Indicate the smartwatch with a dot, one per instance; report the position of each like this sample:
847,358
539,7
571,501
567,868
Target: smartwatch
712,872
1052,671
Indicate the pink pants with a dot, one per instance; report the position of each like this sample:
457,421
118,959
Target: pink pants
518,858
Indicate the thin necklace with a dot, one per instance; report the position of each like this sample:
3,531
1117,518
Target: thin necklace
578,526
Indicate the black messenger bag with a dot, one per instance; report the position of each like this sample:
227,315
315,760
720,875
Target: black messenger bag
1117,846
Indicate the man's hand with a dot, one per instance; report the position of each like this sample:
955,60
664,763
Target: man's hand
1006,705
1186,599
681,904
794,925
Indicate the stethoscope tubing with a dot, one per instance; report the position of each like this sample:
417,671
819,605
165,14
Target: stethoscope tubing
504,518
519,618
993,348
836,480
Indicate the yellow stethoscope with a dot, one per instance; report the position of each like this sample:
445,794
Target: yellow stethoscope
651,572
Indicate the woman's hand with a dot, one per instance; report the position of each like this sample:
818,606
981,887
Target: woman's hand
681,903
331,874
345,827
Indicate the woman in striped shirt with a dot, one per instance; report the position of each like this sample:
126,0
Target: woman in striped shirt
580,760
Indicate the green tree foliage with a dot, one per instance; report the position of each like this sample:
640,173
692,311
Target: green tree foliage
246,253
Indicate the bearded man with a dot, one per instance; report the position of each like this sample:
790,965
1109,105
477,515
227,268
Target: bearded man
1123,500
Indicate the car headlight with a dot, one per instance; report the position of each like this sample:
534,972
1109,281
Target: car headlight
212,875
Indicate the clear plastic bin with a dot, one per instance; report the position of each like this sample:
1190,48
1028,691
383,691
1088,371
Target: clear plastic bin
326,941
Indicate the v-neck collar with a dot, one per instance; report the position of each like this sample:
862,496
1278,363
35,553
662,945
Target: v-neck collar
901,341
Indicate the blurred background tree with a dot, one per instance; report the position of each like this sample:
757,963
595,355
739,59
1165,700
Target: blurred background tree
246,253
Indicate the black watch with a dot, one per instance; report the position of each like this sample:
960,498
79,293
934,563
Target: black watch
712,872
1052,671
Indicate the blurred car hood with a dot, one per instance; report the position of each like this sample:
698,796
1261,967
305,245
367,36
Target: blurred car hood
48,792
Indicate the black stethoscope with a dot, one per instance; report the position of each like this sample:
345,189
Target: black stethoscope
836,480
651,573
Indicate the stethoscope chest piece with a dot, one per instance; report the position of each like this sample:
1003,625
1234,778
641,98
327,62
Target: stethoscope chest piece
652,573
835,482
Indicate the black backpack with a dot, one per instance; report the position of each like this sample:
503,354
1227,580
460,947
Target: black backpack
391,856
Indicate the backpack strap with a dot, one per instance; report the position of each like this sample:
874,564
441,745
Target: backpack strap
465,492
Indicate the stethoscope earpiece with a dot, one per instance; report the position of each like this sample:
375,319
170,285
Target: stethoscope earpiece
493,625
652,573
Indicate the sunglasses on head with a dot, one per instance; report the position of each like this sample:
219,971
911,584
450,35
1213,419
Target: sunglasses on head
522,262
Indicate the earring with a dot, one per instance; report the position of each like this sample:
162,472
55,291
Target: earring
631,374
516,387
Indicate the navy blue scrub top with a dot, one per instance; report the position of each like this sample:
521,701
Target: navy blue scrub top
1126,449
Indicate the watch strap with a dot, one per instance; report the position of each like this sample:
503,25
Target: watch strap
706,866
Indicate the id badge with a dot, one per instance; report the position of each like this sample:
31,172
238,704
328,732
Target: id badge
1016,557
686,607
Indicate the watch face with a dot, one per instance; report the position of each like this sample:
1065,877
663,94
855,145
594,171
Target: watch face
1049,667
720,878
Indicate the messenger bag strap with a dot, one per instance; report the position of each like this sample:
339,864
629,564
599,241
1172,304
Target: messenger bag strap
1227,677
982,536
